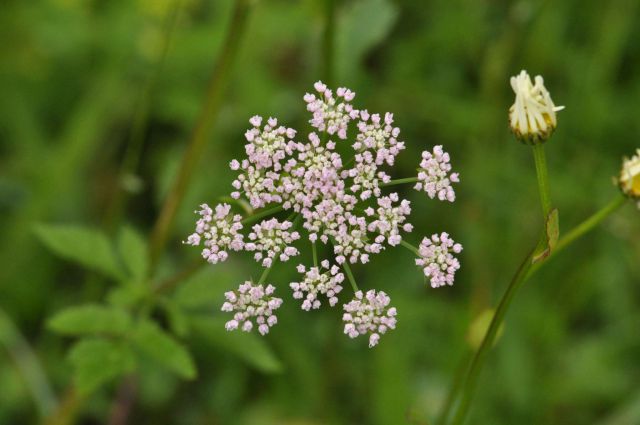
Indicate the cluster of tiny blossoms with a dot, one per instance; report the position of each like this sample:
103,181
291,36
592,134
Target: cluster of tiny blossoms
332,181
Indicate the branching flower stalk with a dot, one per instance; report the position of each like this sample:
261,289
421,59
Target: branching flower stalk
340,202
532,120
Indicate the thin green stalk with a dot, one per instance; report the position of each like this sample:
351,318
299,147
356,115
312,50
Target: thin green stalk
456,386
410,247
400,181
543,179
352,280
213,101
480,356
262,214
27,365
314,249
265,273
136,137
328,42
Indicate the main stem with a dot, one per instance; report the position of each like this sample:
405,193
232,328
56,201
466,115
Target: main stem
543,179
219,82
328,42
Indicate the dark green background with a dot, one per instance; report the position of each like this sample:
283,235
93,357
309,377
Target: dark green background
71,75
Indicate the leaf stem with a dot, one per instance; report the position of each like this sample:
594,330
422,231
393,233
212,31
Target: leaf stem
410,247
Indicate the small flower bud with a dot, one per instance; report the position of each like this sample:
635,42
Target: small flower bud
532,117
629,180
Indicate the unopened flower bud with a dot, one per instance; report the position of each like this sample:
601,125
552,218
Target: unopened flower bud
629,180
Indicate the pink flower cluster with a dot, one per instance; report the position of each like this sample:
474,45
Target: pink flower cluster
335,187
251,303
316,282
369,314
437,260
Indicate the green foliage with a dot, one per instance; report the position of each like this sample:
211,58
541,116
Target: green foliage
88,247
163,348
99,361
89,320
248,346
134,254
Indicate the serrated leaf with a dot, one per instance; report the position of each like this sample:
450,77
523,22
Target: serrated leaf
90,319
178,321
134,254
250,347
203,288
99,361
163,348
85,246
553,228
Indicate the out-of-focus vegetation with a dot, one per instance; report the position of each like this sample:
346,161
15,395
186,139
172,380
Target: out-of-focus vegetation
73,75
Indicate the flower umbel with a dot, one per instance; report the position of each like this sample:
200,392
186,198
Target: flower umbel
629,180
533,115
251,303
437,260
369,314
316,281
338,194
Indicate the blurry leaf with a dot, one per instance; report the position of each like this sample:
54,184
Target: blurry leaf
90,319
83,245
248,346
352,41
178,321
479,327
127,295
133,251
163,348
203,288
98,361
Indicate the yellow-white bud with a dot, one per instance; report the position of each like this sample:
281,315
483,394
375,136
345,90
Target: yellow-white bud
533,115
629,180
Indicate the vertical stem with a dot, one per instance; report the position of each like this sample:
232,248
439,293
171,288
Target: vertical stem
219,81
314,249
456,386
480,357
265,273
328,42
543,179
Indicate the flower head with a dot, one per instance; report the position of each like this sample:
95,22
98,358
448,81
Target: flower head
331,114
435,177
629,179
220,230
437,260
272,239
533,115
369,314
251,305
318,281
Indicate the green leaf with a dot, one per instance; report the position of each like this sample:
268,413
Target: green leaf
162,347
203,288
90,319
352,43
178,321
553,228
134,254
250,347
85,246
98,361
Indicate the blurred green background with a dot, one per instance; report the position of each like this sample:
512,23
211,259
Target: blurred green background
73,78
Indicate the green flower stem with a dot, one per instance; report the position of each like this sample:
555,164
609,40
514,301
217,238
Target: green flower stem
456,386
265,273
410,247
543,179
352,280
526,270
262,214
219,81
400,181
314,249
480,356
